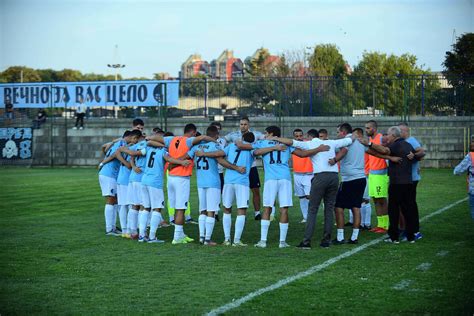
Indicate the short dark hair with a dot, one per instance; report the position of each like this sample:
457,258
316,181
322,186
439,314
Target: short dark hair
372,122
198,134
313,133
137,122
217,124
245,117
249,137
166,134
135,133
126,133
212,131
358,130
297,130
275,130
157,130
346,127
190,128
323,131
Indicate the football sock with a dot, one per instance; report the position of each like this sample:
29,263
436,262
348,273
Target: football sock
283,231
304,204
340,234
109,216
355,234
226,225
123,218
156,219
178,232
351,217
264,226
142,219
385,221
148,220
114,219
202,225
368,214
210,222
379,221
132,221
239,227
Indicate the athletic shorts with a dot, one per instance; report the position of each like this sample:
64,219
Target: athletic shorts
282,188
302,184
122,194
378,185
108,186
209,199
178,192
239,191
254,178
350,194
134,193
152,197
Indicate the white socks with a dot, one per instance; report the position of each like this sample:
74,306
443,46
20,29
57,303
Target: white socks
366,214
226,225
123,218
109,217
210,222
351,217
355,234
239,227
178,232
155,221
132,220
283,231
202,225
142,220
304,204
264,226
340,234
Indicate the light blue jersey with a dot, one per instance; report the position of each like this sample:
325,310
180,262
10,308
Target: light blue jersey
111,169
275,163
124,172
155,167
241,158
415,167
207,172
140,162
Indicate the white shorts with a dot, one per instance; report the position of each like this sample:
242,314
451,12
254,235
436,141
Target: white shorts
282,188
152,197
366,191
178,192
134,193
302,184
239,191
108,185
209,199
122,195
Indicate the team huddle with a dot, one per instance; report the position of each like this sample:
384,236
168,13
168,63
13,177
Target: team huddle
133,173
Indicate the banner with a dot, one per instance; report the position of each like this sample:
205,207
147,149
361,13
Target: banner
16,143
103,93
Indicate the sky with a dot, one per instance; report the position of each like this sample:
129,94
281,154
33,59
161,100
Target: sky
158,36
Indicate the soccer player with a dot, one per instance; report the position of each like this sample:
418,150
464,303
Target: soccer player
208,182
152,195
223,143
467,164
179,176
366,207
378,180
253,175
351,189
323,134
302,175
108,172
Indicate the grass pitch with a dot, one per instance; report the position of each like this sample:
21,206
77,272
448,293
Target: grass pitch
56,259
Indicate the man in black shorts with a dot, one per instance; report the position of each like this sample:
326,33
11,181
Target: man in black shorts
253,176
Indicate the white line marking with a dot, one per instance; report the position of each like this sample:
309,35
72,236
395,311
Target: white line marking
425,266
403,284
237,302
442,253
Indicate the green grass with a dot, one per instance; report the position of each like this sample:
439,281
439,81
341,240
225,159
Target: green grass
57,260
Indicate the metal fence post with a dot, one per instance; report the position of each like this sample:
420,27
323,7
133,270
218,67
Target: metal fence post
423,95
310,96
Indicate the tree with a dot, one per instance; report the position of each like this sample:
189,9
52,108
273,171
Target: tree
326,60
14,75
69,75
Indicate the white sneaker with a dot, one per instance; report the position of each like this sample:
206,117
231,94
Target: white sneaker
156,241
226,243
113,233
142,239
261,244
239,244
74,127
81,127
283,244
303,221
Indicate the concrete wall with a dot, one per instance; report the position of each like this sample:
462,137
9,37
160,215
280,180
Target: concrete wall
446,139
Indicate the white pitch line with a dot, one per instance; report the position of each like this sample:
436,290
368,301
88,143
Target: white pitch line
236,303
403,284
425,266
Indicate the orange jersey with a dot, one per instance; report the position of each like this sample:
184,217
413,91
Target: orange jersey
302,165
177,149
374,162
366,163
